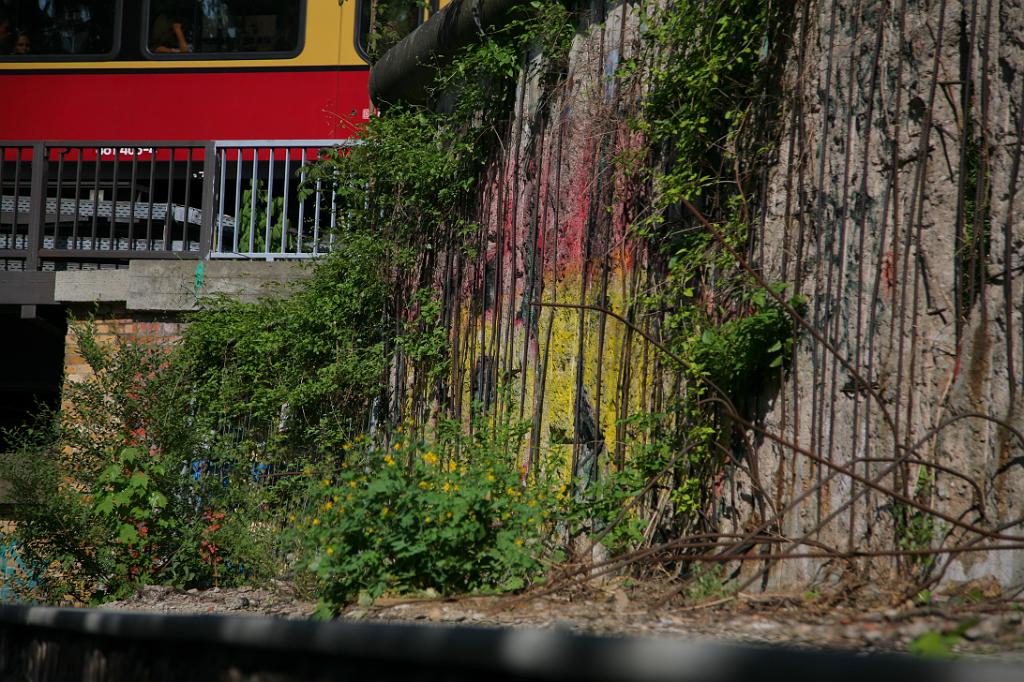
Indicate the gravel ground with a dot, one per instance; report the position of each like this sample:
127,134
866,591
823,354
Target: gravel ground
996,628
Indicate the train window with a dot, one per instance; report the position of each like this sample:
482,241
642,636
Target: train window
382,23
255,28
49,29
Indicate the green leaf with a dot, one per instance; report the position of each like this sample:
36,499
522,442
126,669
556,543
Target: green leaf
128,534
105,506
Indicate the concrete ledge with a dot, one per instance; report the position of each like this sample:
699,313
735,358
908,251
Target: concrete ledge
75,286
171,285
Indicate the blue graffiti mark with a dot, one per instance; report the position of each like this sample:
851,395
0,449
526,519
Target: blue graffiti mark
17,579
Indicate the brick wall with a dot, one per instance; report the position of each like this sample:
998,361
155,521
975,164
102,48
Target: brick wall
115,322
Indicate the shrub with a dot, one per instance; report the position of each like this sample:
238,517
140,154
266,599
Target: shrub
105,497
408,518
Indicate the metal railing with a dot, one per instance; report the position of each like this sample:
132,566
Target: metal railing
266,209
97,205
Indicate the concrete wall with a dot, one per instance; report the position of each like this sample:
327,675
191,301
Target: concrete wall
904,399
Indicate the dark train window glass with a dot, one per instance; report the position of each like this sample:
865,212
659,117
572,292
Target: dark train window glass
384,22
223,26
35,28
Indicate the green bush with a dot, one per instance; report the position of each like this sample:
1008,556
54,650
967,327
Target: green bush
298,373
103,489
408,518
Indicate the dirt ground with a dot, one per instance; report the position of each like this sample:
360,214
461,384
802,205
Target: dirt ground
866,622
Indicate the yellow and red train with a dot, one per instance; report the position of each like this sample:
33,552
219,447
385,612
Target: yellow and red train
189,69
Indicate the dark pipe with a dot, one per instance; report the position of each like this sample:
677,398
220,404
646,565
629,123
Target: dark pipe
405,71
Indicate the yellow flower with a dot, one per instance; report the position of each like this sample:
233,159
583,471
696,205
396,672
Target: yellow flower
519,542
330,551
462,470
456,487
316,522
353,484
490,476
326,482
398,445
359,438
425,486
430,458
387,460
446,487
328,504
427,519
452,466
291,518
532,503
449,515
346,446
385,511
335,498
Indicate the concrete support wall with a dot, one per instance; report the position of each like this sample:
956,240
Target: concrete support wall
891,205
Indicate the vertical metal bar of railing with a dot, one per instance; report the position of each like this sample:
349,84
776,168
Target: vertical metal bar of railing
14,213
188,198
254,188
113,202
60,193
37,205
284,210
238,200
209,187
95,200
151,190
316,219
17,196
302,205
131,200
222,162
168,211
78,198
268,228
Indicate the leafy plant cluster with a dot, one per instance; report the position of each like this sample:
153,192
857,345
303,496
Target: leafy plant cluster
299,373
104,490
703,74
711,64
417,517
